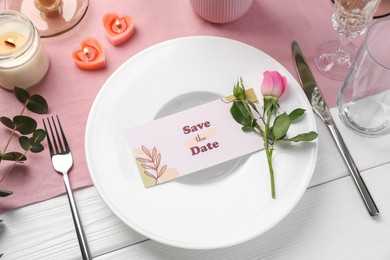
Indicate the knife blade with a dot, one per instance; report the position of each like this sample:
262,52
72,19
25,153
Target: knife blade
320,108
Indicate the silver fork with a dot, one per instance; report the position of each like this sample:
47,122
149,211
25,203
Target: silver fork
62,161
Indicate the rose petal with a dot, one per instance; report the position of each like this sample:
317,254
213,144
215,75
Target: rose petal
266,86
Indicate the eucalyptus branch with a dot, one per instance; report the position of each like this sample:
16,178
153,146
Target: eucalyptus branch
30,137
9,140
13,166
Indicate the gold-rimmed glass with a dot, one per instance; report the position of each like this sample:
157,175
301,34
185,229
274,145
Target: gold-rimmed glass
50,17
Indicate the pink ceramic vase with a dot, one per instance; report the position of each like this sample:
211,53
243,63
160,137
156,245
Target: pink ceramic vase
221,11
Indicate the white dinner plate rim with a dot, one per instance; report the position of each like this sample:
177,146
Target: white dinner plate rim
108,200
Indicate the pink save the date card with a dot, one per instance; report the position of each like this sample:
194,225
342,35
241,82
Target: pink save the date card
189,141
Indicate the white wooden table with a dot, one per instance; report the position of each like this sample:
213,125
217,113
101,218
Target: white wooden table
330,221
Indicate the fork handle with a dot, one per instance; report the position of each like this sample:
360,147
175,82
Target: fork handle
364,192
76,220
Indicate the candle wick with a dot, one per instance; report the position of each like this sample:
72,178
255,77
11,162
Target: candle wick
86,53
10,42
118,25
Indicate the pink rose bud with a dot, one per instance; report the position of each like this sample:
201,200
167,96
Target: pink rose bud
273,84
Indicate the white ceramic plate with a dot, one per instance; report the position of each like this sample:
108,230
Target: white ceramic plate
218,207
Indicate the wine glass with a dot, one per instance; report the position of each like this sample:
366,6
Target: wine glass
50,17
350,19
383,9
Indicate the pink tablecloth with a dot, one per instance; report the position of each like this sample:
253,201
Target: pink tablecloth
268,25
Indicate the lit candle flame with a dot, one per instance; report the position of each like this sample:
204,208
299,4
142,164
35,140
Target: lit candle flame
10,42
118,25
86,53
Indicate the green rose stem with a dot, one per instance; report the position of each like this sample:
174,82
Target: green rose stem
268,152
272,88
265,134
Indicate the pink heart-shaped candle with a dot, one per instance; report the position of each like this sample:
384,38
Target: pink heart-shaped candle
91,55
118,29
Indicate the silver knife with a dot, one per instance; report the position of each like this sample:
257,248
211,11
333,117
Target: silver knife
321,109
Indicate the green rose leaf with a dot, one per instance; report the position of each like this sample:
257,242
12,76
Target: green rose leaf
305,137
7,122
253,107
24,124
247,129
271,135
240,114
13,156
21,94
281,125
37,104
5,193
297,113
270,104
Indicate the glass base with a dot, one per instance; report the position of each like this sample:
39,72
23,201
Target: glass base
333,65
52,22
374,121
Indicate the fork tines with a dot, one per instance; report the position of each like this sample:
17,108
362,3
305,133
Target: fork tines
60,144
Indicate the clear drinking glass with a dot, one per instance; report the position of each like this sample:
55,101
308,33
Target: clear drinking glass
350,19
50,17
364,99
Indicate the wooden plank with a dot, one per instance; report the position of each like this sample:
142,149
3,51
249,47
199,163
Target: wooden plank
45,230
330,222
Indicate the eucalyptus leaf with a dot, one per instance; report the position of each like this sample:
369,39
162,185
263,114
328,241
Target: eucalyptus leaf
32,144
39,135
281,126
13,156
37,104
21,94
305,137
297,113
36,148
25,142
25,124
7,122
5,193
240,114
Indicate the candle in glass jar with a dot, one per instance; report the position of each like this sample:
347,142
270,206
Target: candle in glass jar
23,61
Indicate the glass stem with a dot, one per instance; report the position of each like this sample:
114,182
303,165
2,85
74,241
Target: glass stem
342,55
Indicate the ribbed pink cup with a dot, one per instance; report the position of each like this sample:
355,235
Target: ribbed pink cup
221,11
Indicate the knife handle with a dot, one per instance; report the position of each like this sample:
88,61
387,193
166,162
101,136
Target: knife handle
364,192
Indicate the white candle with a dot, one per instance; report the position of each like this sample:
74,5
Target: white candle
23,61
